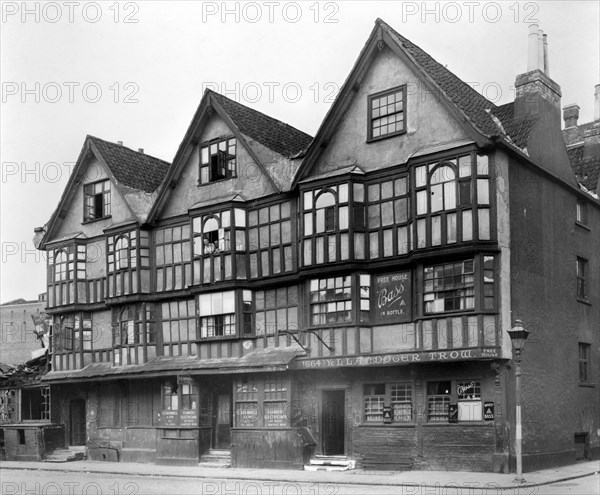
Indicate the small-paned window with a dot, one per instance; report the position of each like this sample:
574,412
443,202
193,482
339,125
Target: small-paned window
218,161
217,314
170,396
97,200
270,240
438,400
178,321
387,113
388,217
331,300
276,310
463,395
262,402
134,325
326,221
449,287
397,396
173,255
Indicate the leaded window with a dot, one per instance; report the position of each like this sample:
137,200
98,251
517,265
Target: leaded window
326,224
331,300
452,201
276,310
449,287
270,240
388,217
173,258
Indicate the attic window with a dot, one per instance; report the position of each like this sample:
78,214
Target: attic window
218,161
386,113
97,200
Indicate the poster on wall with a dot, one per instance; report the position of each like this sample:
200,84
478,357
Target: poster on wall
392,293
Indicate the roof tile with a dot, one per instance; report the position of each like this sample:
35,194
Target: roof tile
272,133
132,168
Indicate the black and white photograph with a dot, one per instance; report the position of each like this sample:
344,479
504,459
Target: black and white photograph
300,247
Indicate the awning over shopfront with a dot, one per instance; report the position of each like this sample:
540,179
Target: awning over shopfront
262,360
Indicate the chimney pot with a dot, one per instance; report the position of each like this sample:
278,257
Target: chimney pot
532,54
571,115
540,50
546,62
597,103
140,150
120,143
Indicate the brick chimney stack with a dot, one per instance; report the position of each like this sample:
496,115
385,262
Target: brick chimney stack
571,115
536,93
538,97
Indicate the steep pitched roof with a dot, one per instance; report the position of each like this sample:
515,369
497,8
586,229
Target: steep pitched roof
587,169
131,168
517,129
472,104
274,134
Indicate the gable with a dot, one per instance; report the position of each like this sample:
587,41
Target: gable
72,222
250,182
428,123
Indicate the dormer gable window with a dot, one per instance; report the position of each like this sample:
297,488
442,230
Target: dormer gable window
387,113
218,161
96,200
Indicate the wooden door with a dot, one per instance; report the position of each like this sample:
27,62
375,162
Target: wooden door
223,417
77,421
333,422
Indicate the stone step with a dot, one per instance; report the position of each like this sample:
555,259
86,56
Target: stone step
326,468
215,458
208,464
333,462
65,455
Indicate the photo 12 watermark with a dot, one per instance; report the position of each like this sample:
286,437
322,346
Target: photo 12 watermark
472,12
270,12
69,92
69,12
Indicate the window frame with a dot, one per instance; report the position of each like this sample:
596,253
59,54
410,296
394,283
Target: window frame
370,110
582,278
585,352
452,397
386,398
581,213
90,200
230,171
260,398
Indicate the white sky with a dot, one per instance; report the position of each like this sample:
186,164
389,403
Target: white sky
151,75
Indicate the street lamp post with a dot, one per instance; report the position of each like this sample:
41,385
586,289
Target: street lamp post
518,336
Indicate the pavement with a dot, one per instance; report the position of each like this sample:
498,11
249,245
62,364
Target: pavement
423,479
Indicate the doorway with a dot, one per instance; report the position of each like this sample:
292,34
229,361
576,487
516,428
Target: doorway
333,422
222,419
77,422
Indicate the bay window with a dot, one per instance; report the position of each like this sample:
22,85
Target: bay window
464,285
333,299
452,201
217,314
325,224
270,240
217,238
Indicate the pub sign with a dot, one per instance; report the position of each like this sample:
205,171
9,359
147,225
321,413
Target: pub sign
392,293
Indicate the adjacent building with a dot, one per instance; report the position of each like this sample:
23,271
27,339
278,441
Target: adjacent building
280,295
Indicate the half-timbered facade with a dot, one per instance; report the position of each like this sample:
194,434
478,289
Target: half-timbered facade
279,295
